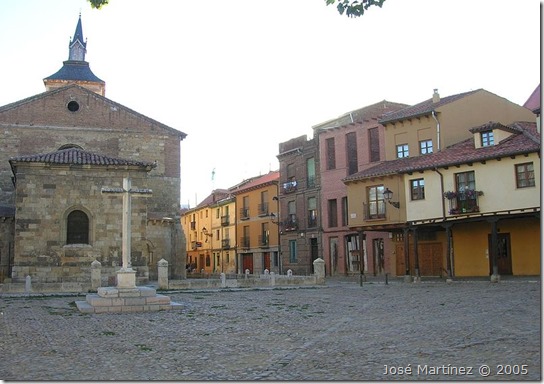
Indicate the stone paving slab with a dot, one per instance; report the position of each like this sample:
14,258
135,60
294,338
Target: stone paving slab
343,331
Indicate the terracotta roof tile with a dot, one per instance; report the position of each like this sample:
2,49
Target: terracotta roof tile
259,181
76,156
525,139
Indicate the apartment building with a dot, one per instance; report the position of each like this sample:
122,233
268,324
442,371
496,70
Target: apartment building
347,145
299,205
472,209
257,225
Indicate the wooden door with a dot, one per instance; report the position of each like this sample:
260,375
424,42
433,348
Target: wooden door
504,255
247,263
266,260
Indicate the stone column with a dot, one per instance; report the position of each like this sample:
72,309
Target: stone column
162,266
319,270
96,275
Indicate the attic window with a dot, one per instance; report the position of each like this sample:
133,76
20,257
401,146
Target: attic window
73,106
487,138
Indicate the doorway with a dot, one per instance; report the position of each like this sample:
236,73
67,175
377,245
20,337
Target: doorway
504,255
247,263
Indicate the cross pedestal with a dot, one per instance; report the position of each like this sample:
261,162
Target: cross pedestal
126,297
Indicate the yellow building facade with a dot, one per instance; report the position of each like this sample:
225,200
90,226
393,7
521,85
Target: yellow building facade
472,209
257,224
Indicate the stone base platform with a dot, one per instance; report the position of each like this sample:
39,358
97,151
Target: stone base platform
114,299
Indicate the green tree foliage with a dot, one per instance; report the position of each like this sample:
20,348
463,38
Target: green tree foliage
354,8
98,3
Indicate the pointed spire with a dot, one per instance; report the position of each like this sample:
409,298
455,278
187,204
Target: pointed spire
78,47
76,69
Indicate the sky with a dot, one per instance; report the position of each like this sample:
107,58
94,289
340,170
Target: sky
240,77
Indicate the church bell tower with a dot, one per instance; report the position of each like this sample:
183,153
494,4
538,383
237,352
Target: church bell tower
76,69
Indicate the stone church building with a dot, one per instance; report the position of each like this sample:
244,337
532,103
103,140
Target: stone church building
58,149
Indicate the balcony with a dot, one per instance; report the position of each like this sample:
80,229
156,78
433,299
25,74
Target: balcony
312,221
311,181
263,209
244,213
290,224
244,242
464,201
289,187
225,220
225,244
264,241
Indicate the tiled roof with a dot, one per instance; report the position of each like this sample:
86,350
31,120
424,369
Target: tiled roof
423,108
214,197
259,181
533,102
525,140
75,70
76,156
373,111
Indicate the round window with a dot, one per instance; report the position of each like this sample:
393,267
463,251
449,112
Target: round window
73,106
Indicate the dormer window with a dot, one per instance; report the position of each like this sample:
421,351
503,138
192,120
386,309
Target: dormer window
487,138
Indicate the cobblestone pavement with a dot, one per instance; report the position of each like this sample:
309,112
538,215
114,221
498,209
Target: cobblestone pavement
342,331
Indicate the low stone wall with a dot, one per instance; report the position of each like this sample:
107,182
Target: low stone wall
96,280
250,281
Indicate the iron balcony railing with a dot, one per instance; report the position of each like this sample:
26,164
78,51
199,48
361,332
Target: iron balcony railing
264,240
225,220
263,209
244,213
290,224
289,187
244,242
463,201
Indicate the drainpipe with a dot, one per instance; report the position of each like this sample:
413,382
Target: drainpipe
437,131
442,193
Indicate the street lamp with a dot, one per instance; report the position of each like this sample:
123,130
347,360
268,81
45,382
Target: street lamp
387,195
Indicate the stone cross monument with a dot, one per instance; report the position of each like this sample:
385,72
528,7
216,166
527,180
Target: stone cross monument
126,276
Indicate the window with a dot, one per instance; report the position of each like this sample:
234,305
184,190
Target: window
310,172
331,156
525,175
292,251
417,189
344,211
312,212
425,147
402,151
351,153
465,181
376,203
374,143
77,228
333,213
487,138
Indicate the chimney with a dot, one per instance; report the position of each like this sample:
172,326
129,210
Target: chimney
436,96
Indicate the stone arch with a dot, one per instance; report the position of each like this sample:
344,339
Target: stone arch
77,223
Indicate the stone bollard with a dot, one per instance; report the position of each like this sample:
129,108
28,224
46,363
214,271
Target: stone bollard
223,280
289,273
96,275
319,270
266,272
28,284
163,273
272,279
247,273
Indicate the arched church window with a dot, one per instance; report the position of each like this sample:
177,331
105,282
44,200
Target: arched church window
77,228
